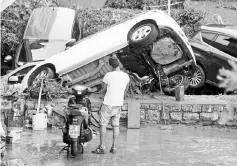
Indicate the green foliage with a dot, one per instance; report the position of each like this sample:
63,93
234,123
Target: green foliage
189,19
93,20
136,4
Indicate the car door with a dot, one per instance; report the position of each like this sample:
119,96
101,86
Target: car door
222,49
205,53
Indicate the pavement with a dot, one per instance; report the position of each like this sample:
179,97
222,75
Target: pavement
148,146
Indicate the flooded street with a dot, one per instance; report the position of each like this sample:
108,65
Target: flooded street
146,146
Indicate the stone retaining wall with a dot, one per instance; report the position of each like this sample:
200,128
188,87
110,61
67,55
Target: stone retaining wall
208,112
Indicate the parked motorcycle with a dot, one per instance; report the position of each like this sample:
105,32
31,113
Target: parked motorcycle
77,130
147,83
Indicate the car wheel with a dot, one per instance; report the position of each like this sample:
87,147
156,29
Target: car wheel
142,35
42,72
198,79
177,80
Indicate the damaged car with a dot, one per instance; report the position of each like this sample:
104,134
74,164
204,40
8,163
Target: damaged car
151,47
213,45
47,33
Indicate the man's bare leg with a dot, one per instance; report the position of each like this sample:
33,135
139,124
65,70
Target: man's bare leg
102,135
115,135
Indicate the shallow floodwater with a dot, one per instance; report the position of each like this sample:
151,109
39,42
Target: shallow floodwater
146,146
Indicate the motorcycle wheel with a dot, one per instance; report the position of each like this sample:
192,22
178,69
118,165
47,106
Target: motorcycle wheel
170,90
74,148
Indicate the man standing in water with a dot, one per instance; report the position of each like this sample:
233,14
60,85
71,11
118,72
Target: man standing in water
115,85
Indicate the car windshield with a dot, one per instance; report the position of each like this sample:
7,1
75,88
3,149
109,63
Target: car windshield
207,37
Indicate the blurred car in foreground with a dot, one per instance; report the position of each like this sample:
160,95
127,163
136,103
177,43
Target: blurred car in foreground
213,46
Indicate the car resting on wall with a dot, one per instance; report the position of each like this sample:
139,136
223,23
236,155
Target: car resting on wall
151,47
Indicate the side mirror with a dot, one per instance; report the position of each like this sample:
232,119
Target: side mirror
13,79
8,58
70,43
20,63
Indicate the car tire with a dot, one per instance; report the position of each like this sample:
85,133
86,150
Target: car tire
170,91
41,71
198,79
139,40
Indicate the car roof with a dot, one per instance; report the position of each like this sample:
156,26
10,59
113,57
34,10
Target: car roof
224,29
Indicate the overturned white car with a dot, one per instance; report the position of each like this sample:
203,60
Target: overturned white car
151,47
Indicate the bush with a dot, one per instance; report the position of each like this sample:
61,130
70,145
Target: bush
189,19
93,20
138,4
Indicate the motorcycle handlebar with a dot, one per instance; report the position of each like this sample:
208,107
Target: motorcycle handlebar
86,91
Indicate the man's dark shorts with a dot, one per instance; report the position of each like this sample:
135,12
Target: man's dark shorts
108,113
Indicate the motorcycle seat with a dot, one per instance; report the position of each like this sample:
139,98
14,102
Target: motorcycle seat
79,112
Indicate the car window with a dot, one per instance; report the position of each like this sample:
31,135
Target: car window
207,37
226,44
197,36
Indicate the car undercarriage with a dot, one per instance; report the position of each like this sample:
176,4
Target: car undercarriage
161,61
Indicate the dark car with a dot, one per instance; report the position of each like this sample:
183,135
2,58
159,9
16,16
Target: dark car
213,46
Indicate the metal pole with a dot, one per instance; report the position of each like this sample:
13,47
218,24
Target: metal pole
40,93
169,7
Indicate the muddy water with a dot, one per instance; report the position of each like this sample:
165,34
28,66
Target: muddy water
147,146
